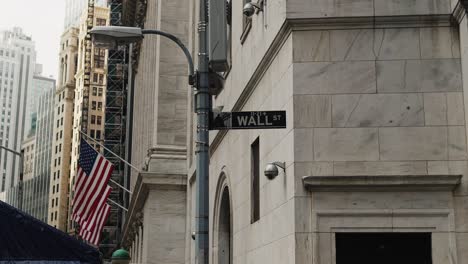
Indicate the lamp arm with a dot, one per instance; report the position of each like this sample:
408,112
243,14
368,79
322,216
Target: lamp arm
180,44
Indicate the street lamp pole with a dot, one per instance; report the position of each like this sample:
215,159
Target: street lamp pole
111,36
20,182
203,108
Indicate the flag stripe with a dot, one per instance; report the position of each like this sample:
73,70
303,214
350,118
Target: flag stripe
98,231
92,219
81,192
95,190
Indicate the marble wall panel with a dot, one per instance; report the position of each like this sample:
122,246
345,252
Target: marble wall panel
399,43
413,143
358,44
457,143
435,109
346,144
411,7
436,42
379,168
335,77
400,76
312,111
327,8
311,46
375,110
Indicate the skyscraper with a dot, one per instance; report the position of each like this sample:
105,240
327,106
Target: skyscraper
17,62
61,146
75,8
90,91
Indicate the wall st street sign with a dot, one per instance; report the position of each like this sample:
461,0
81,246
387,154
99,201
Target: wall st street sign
247,120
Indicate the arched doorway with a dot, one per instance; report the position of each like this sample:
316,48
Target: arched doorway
224,229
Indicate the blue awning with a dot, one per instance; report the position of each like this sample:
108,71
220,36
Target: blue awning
25,239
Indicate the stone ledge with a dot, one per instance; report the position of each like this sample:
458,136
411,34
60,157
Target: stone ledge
381,183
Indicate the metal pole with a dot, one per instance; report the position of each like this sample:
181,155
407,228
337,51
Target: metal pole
20,191
202,107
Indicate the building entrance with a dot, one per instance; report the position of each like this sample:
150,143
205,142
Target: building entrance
383,248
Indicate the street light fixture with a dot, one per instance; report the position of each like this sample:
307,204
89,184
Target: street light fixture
112,36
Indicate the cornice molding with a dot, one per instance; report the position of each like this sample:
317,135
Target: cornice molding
381,183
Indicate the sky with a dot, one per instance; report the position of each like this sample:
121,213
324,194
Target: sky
43,21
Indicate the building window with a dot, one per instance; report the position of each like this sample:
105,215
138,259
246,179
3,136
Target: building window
100,92
61,121
95,77
53,189
99,106
62,108
255,180
93,119
95,90
98,134
99,120
99,58
100,22
93,105
92,133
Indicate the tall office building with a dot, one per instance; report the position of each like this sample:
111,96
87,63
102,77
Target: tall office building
74,9
33,192
28,148
90,91
17,62
63,126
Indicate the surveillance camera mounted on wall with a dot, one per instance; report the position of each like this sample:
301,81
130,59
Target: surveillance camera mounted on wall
249,8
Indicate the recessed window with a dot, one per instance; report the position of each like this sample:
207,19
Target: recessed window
255,180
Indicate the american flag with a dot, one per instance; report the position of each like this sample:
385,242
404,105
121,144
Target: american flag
90,230
91,187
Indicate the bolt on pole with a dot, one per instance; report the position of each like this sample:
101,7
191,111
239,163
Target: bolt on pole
203,107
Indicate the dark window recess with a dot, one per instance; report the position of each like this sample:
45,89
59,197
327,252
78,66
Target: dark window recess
383,248
255,180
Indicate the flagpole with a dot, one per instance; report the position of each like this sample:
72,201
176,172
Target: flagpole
117,204
126,162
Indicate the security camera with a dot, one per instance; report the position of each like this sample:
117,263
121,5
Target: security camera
271,169
249,9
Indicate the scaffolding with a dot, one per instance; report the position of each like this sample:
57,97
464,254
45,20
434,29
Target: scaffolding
114,131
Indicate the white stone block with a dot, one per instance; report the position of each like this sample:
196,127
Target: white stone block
372,110
437,167
436,42
311,46
346,144
353,44
312,111
455,109
438,75
435,109
379,168
399,43
411,7
457,143
413,143
333,78
303,144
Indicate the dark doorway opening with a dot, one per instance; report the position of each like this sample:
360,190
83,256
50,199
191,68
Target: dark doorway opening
383,248
224,232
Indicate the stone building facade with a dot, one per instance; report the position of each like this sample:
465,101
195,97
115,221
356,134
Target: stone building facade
95,95
374,149
63,130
